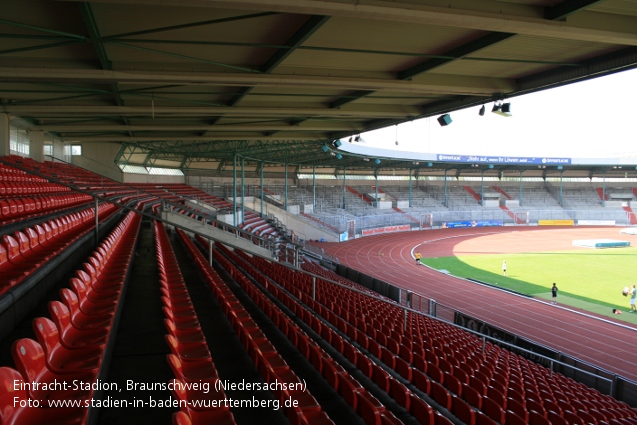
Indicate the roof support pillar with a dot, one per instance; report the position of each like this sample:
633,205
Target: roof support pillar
604,188
344,203
482,189
285,199
410,189
561,188
36,145
521,187
243,188
445,191
234,190
5,145
313,188
262,190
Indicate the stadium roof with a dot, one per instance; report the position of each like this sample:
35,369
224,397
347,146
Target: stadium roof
182,82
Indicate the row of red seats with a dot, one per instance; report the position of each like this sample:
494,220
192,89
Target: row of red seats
395,388
510,393
65,361
26,250
13,175
511,398
513,406
268,361
30,188
22,208
190,357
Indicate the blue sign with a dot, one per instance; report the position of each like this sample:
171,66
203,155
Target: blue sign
475,223
485,159
487,223
456,224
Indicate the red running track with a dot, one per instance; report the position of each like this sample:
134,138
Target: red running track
599,341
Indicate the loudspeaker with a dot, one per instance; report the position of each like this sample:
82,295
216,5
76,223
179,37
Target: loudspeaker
444,119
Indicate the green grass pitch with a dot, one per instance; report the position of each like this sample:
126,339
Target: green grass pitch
590,279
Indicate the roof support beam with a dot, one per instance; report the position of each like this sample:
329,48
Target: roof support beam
481,15
96,41
307,29
566,8
457,53
431,85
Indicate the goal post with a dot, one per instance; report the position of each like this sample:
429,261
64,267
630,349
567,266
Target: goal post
521,218
351,229
426,220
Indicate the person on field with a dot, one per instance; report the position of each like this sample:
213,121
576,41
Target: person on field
418,256
616,311
633,297
504,268
554,293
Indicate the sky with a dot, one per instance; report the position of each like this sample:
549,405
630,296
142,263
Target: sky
591,119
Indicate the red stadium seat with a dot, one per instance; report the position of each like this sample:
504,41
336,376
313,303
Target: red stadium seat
81,320
72,337
423,412
493,409
60,359
463,411
441,395
12,413
181,418
28,356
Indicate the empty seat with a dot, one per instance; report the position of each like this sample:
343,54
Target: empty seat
200,415
72,337
12,413
81,320
463,411
60,359
423,412
28,356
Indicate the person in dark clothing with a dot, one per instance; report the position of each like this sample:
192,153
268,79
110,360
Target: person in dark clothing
554,293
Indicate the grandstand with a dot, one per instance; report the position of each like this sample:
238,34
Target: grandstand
410,368
173,175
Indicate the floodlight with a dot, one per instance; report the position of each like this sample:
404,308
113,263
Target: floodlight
429,164
377,161
503,109
482,111
337,143
325,148
559,167
444,120
490,165
339,156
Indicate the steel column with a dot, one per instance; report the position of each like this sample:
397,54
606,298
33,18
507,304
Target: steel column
243,187
97,222
521,187
262,190
234,190
314,188
410,189
445,190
